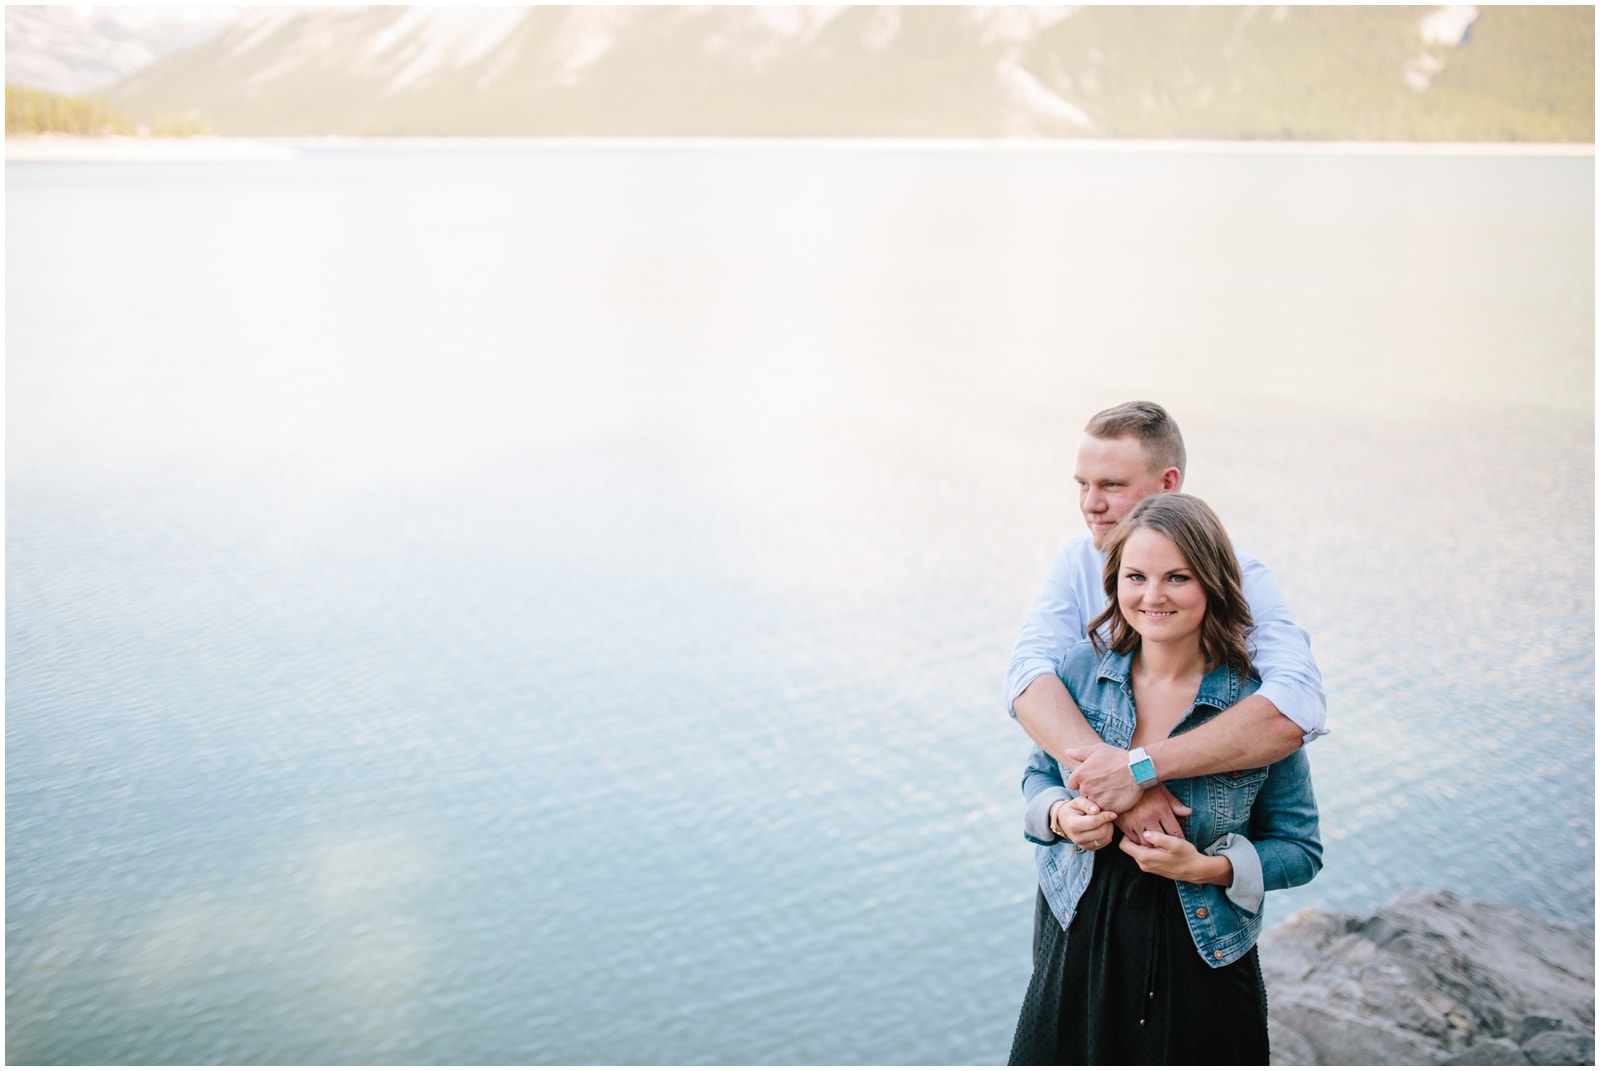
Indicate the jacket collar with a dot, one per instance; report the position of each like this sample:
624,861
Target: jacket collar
1219,689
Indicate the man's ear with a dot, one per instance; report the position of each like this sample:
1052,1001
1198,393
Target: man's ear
1171,480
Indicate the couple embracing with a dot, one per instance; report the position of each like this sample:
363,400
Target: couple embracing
1168,692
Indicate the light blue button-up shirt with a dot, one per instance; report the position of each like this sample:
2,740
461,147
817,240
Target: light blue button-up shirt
1074,592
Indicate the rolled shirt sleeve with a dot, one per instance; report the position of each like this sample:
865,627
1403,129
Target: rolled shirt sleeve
1057,618
1281,651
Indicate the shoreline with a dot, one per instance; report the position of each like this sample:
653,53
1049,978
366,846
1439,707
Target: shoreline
47,148
65,148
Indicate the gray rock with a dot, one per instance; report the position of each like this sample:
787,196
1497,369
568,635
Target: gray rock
1496,1052
1289,1049
1429,979
1533,1026
1561,1048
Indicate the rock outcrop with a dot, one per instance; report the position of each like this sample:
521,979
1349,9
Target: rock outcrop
1430,979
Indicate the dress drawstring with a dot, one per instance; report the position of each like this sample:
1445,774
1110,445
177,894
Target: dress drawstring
1140,891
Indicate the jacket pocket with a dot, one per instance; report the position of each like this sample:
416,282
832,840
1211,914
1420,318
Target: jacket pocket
1115,727
1231,796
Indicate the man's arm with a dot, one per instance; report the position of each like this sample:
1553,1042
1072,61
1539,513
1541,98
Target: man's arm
1047,713
1248,734
1054,623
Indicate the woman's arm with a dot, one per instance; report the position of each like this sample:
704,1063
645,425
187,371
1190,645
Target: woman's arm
1283,849
1051,807
1284,846
1042,788
1284,825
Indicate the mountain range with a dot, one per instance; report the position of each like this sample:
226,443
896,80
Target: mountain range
73,51
1456,73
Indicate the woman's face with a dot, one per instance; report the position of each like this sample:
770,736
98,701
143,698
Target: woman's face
1156,590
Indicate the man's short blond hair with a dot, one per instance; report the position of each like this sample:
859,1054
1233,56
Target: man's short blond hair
1156,431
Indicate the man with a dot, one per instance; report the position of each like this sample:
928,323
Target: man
1129,453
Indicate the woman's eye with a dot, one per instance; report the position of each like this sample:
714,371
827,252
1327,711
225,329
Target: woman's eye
1178,578
1134,576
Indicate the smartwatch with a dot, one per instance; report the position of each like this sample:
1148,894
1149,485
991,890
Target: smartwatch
1142,767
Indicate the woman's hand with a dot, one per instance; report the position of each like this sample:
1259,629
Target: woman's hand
1083,823
1173,857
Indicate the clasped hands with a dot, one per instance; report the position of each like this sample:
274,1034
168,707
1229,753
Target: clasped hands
1148,819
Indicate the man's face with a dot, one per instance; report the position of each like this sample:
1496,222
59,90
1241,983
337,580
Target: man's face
1114,476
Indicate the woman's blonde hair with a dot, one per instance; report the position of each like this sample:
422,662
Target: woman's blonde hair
1199,536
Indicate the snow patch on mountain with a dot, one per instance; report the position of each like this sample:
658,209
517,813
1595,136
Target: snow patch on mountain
587,34
1449,25
426,41
318,34
1014,28
254,28
798,24
754,37
881,29
1028,90
1442,30
1017,25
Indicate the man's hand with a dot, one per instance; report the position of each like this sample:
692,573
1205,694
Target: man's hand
1157,809
1101,773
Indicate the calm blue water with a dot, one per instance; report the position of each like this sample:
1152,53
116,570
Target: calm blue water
549,605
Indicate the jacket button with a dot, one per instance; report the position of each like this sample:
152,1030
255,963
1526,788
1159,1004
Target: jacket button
1200,914
1216,955
1235,775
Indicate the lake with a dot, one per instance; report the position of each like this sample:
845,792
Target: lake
538,603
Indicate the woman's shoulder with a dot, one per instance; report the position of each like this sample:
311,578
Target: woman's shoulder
1081,663
1249,681
1225,685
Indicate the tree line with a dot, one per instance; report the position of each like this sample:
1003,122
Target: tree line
35,111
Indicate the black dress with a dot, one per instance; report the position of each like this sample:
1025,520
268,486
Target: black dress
1125,984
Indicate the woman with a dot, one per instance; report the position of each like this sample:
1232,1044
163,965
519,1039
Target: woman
1145,954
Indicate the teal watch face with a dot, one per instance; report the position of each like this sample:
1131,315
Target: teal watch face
1144,771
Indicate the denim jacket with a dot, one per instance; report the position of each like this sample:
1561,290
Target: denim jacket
1264,820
